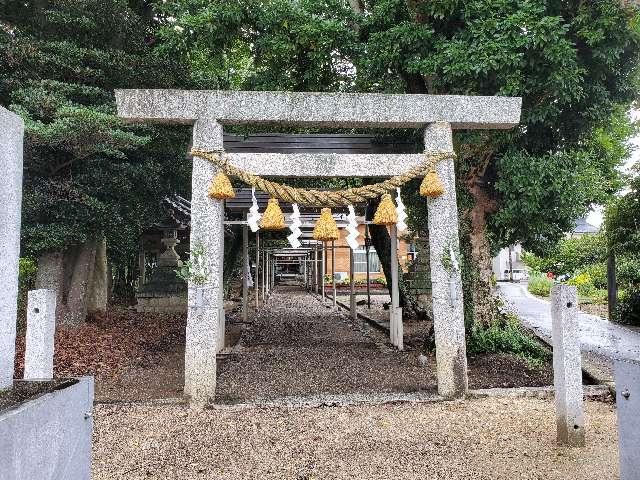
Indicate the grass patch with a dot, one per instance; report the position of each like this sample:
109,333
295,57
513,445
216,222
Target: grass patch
507,336
540,285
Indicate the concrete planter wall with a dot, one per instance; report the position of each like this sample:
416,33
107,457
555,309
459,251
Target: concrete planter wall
49,437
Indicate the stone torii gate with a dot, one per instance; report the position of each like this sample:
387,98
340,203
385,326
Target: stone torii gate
208,111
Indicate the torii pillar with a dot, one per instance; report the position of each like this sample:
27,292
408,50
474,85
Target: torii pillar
208,111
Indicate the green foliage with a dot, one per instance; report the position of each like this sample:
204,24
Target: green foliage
622,219
574,63
584,284
380,281
194,269
628,311
540,285
27,270
628,271
86,172
597,273
622,223
570,255
507,336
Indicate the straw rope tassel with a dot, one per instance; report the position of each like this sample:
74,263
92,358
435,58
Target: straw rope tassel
431,185
326,228
272,218
386,213
221,188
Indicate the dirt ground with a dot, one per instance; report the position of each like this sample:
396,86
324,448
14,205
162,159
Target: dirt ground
490,438
301,346
295,346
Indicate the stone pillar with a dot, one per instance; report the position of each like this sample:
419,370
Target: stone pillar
353,306
333,272
395,312
207,230
256,287
11,137
246,271
567,366
41,328
448,311
315,269
627,376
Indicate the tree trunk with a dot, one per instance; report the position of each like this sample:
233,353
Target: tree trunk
99,287
80,268
381,241
70,274
482,291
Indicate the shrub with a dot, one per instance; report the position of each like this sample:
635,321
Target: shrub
380,281
507,336
540,285
570,255
598,274
26,281
628,310
628,271
584,284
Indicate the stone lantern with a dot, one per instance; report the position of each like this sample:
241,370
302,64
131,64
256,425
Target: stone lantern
165,291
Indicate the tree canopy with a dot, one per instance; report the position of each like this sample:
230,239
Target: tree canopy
574,63
86,173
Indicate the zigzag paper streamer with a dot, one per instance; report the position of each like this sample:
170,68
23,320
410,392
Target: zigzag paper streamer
402,215
295,227
254,215
352,228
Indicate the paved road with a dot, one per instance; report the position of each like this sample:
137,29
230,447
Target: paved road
598,336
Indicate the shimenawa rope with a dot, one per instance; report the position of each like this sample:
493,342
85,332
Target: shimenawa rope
321,198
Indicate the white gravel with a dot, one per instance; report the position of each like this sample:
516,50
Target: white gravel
489,438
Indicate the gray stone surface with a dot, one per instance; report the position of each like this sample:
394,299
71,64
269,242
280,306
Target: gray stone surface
448,313
205,323
628,409
41,328
49,438
321,109
567,366
325,164
11,139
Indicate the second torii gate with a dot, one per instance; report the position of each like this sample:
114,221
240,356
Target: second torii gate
208,111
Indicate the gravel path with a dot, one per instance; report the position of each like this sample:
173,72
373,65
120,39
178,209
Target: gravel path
298,346
489,438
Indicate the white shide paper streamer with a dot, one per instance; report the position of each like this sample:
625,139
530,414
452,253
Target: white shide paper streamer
352,228
402,215
295,227
254,215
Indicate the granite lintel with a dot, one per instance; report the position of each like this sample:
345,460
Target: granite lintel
319,109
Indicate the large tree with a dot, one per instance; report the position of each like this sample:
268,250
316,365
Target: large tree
573,62
91,183
622,225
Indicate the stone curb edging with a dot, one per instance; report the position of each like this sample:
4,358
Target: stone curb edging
594,392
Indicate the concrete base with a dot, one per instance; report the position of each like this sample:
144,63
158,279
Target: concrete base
162,303
49,437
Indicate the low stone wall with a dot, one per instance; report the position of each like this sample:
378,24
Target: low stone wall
161,303
49,437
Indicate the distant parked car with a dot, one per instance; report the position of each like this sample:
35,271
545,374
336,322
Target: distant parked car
518,275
